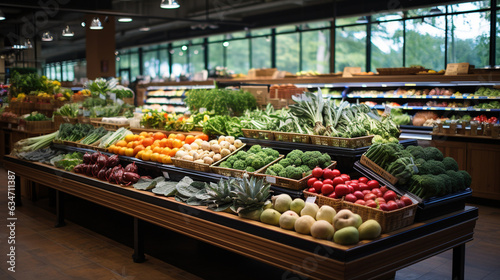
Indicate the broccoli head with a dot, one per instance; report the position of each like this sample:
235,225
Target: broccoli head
271,152
467,179
242,155
269,159
293,172
433,153
419,161
261,155
295,154
239,164
250,169
282,173
448,184
297,162
257,163
431,167
417,152
310,161
377,139
276,168
450,164
393,140
286,162
324,160
305,168
232,159
255,149
270,172
457,181
249,159
226,164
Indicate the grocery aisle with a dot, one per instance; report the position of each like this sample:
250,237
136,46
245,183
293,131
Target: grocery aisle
75,252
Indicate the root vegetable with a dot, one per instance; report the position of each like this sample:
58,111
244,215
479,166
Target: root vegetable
194,154
222,138
198,141
217,157
225,152
205,146
211,154
213,142
187,157
180,154
224,144
216,148
194,146
187,147
208,160
230,139
232,148
238,143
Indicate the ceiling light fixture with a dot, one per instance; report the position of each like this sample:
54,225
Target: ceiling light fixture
2,15
435,11
83,24
169,4
124,19
225,44
67,32
47,37
96,24
362,19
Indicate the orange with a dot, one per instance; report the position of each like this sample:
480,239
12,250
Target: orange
144,134
154,156
147,155
138,148
173,152
111,149
130,144
202,136
170,144
156,142
177,143
163,142
159,135
129,137
121,143
172,136
139,154
160,158
147,141
150,134
166,151
122,151
189,139
180,137
148,148
166,160
140,137
157,150
129,152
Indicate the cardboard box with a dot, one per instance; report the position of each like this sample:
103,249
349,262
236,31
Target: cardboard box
261,93
261,73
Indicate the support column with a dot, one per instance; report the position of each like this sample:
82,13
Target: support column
100,48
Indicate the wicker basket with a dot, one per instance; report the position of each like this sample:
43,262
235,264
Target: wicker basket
324,200
400,70
58,120
191,165
292,137
388,220
258,134
287,182
229,172
352,143
33,126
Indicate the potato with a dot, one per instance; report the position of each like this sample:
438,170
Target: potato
238,143
232,148
217,157
230,139
225,152
208,160
205,146
187,157
224,144
216,148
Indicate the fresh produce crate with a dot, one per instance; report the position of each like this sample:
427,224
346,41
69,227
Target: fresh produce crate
21,108
379,170
356,142
137,130
258,134
58,120
427,209
324,200
108,126
388,220
129,100
204,167
44,107
33,126
287,182
229,172
292,137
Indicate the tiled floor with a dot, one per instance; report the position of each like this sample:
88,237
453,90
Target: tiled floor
75,252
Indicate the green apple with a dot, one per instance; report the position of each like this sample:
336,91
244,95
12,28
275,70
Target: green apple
287,220
282,202
370,229
297,205
360,220
270,216
310,209
326,213
268,205
303,224
345,218
322,230
346,236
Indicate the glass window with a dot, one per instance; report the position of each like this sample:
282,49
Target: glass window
57,75
286,28
350,47
470,6
71,71
134,66
261,32
426,11
261,52
469,38
215,55
242,34
64,67
216,38
151,64
387,45
425,42
196,58
316,51
164,65
197,41
318,24
179,62
387,16
238,56
287,52
345,21
180,43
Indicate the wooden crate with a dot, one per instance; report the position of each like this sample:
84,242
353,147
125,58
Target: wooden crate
292,137
356,142
379,170
35,126
58,120
258,134
229,172
108,126
187,164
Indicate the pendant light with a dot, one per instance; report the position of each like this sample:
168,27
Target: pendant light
169,4
435,11
125,19
47,37
96,24
67,32
2,15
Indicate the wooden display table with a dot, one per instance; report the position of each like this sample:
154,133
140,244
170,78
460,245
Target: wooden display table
318,259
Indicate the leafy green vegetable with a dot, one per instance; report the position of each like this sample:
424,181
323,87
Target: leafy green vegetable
35,116
68,110
220,101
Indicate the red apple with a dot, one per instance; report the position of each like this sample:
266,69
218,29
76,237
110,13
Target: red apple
337,180
345,177
383,207
336,172
328,181
363,180
360,202
383,189
406,200
400,203
363,186
370,196
371,203
355,186
377,192
332,195
392,205
390,195
313,190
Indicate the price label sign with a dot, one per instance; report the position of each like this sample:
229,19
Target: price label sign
311,199
271,180
166,175
457,69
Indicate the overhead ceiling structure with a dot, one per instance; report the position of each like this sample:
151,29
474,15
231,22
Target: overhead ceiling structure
194,18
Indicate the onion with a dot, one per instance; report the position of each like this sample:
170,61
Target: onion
94,157
131,168
238,143
87,158
225,152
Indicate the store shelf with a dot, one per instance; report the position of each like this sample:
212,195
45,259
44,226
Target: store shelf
166,103
384,96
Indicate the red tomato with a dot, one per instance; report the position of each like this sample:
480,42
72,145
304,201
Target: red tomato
345,177
359,194
380,200
383,189
347,182
383,207
317,172
390,195
337,180
370,196
326,189
365,192
363,180
354,181
391,205
332,195
373,184
341,190
377,192
328,181
351,198
371,203
363,187
360,202
313,190
355,186
336,172
406,200
328,174
311,181
400,203
318,185
351,189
